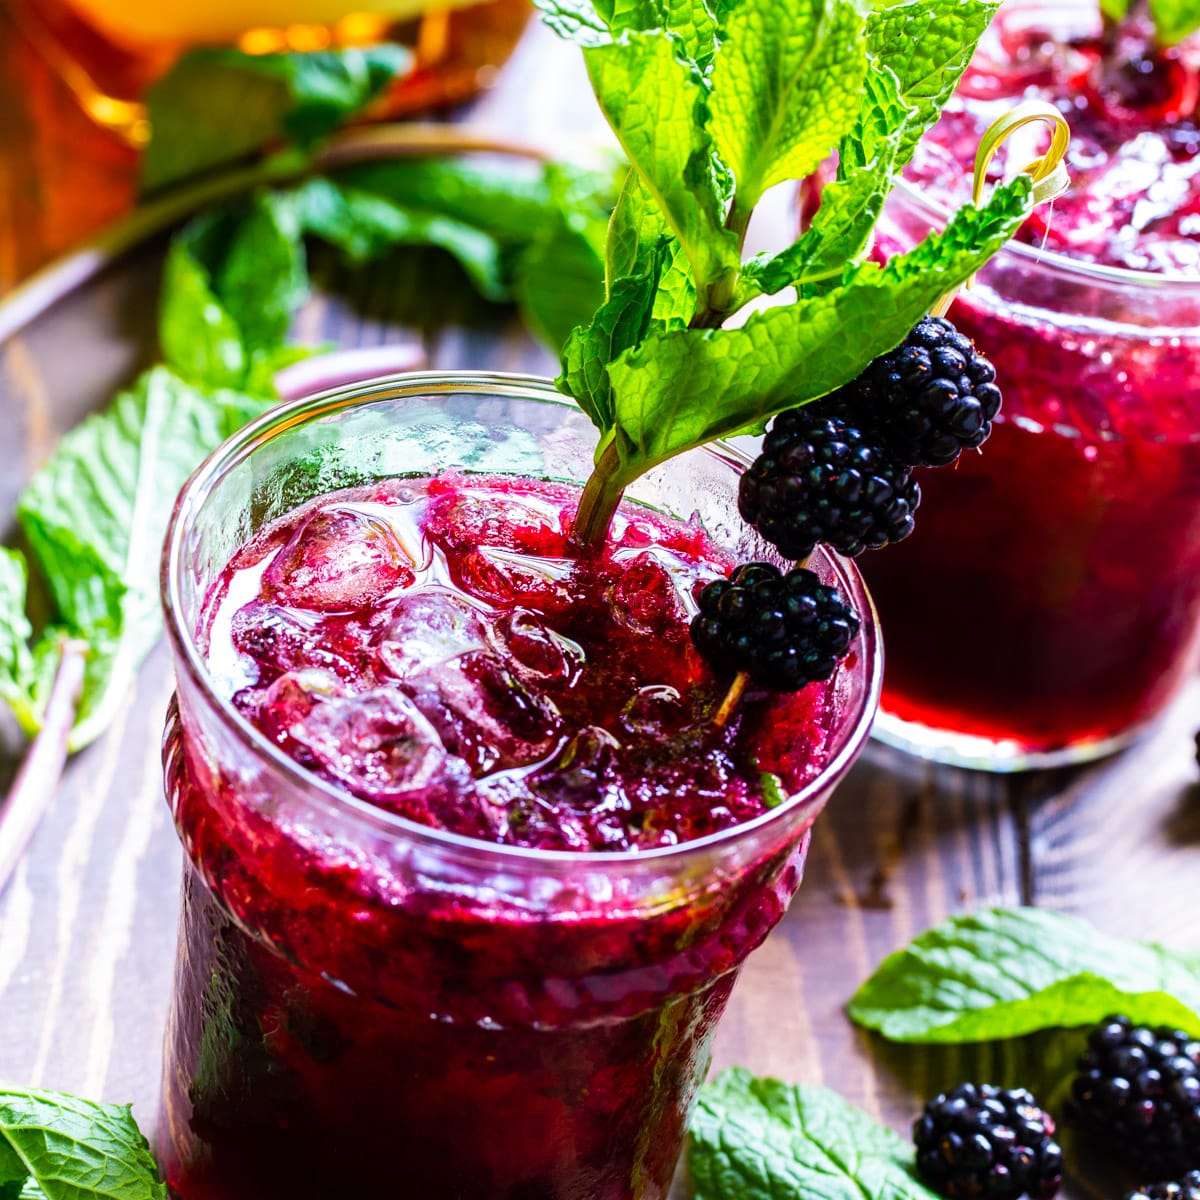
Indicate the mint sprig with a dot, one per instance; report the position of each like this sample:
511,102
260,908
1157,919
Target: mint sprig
54,1146
1004,973
707,133
761,1139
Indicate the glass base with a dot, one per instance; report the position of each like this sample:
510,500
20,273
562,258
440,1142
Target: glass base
999,756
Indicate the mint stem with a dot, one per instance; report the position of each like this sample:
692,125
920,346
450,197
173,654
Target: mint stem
36,781
601,495
718,303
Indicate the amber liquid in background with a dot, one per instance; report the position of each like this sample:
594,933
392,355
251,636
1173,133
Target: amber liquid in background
457,52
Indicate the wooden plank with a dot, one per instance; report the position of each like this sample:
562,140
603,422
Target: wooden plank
1121,844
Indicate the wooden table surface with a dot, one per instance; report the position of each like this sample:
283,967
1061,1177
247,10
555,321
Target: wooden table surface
87,926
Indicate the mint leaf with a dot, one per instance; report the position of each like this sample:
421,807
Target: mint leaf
558,277
13,1171
657,106
681,388
198,337
504,201
692,23
96,514
363,226
785,89
215,106
263,278
1002,973
851,204
576,21
74,1149
620,323
1175,19
533,236
928,44
760,1139
16,662
233,280
634,233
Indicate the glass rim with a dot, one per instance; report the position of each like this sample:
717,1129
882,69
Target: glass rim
1055,259
188,658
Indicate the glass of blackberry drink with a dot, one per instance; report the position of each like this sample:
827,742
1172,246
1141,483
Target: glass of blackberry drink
1047,606
470,868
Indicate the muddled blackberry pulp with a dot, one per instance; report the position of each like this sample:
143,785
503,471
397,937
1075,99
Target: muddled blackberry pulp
356,1013
433,647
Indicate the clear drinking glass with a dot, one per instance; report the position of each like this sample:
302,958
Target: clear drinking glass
367,1006
1048,605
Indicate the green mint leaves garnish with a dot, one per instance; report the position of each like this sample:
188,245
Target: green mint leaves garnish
1003,973
216,106
16,661
786,84
715,103
759,1138
658,106
58,1147
681,388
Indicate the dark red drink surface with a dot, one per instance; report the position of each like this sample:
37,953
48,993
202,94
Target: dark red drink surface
357,1016
1134,112
1050,596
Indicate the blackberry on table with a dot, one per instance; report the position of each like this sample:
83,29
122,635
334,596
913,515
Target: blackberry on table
927,401
1187,1188
820,479
784,631
984,1141
1137,1095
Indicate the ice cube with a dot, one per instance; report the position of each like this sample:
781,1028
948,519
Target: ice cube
377,744
430,625
536,651
648,597
505,577
657,710
502,520
339,560
289,702
580,797
484,713
280,639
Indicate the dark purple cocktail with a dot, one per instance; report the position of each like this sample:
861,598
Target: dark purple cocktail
1063,563
470,870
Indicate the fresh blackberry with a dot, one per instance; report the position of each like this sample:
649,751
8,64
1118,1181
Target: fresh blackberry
1187,1188
1137,1095
927,401
983,1141
784,631
819,479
